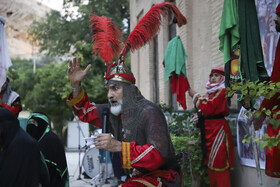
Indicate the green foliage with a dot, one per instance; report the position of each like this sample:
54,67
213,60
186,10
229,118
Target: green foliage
48,88
247,139
54,33
186,138
21,82
57,33
176,120
251,91
194,168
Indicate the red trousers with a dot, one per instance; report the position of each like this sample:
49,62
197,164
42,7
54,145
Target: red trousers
219,178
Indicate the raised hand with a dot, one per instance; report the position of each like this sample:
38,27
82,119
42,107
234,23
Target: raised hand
75,73
191,92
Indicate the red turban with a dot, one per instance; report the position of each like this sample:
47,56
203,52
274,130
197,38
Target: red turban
219,69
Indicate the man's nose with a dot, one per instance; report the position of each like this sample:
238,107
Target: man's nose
109,94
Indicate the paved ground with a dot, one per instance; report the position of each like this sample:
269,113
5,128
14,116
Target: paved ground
73,168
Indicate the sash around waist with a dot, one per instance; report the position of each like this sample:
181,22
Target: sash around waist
214,117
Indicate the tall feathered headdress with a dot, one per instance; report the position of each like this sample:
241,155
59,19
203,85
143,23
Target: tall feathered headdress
106,38
143,32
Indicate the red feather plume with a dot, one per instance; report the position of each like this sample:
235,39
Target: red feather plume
106,38
150,24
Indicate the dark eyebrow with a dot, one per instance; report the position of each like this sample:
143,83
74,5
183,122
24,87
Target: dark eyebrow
113,85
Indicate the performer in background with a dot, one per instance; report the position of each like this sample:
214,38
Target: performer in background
216,140
51,146
10,99
21,163
272,164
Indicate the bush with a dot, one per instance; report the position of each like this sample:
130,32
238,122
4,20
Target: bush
186,138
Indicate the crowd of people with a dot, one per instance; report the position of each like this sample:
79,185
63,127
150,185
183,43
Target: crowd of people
135,131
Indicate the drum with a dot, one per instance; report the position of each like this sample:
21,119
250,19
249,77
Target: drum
94,164
91,162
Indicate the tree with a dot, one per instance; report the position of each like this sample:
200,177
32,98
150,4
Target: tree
49,94
57,35
48,88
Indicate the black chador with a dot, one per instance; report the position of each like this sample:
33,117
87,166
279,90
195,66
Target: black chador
20,158
52,148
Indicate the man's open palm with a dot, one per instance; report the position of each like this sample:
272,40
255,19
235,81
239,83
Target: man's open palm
75,73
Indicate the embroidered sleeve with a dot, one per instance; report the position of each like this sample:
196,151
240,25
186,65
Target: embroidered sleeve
146,156
84,109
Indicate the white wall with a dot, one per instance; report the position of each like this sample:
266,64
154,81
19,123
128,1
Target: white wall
73,134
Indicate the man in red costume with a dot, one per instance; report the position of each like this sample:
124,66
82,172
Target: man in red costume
139,127
272,164
217,138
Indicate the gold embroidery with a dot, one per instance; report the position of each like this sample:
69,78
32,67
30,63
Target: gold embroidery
126,155
144,182
216,95
77,99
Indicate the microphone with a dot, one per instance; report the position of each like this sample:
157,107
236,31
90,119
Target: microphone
105,117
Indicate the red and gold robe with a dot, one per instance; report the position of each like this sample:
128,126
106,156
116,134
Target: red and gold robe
220,149
219,143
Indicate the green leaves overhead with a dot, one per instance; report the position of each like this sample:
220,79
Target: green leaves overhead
58,32
65,34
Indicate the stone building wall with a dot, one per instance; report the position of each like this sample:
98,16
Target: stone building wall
18,15
200,39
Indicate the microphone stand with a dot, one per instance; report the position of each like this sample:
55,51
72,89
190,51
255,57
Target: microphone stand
105,116
79,146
